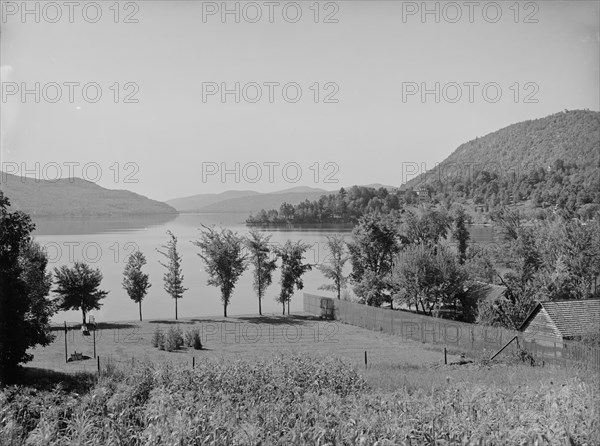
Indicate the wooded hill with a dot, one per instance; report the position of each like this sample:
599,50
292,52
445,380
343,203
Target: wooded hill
75,197
553,162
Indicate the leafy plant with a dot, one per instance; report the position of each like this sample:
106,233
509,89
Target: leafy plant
158,338
174,339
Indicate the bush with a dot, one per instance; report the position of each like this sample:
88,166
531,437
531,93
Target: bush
197,341
192,339
189,338
158,338
591,339
174,339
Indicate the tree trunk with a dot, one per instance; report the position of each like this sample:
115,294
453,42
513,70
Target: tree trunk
175,308
338,290
83,314
225,310
140,303
259,305
288,306
283,302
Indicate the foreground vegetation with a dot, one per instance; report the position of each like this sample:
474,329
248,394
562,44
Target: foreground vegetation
306,400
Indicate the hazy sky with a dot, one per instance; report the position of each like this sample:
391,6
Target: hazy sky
534,60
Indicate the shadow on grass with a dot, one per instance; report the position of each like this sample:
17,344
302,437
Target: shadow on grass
215,320
99,326
169,321
279,320
45,379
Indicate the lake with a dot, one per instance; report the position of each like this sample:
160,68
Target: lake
105,243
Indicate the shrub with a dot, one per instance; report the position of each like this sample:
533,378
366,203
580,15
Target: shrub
158,338
174,339
189,338
197,344
192,339
591,339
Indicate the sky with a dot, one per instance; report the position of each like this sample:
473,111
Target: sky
329,94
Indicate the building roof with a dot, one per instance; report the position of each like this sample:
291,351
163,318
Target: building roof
573,317
487,291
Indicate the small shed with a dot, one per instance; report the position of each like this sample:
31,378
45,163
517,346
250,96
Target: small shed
560,320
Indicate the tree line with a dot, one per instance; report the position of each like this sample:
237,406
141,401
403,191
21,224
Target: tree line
569,188
345,206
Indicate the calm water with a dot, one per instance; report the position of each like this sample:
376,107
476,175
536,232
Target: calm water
106,243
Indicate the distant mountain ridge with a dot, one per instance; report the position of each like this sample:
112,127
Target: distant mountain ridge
75,197
252,201
245,201
196,202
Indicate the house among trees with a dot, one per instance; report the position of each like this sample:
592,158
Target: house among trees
559,320
422,192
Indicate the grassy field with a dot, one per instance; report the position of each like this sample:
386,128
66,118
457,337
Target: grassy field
248,337
302,382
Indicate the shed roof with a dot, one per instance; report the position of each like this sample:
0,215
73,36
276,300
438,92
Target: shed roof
487,291
573,317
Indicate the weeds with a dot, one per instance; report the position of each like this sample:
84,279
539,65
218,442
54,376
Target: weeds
293,399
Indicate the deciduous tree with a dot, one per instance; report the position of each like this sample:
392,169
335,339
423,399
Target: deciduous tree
260,256
224,258
173,277
25,309
292,270
78,288
335,269
375,241
136,282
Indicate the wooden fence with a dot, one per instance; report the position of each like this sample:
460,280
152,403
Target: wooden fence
476,340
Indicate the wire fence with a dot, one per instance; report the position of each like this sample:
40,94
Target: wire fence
476,340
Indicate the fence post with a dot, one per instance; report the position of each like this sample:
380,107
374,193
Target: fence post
472,338
445,357
66,333
193,362
98,358
365,359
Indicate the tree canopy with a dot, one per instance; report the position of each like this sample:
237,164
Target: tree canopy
78,288
25,309
224,258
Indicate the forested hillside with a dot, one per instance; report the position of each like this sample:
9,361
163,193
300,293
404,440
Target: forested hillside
553,162
75,197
